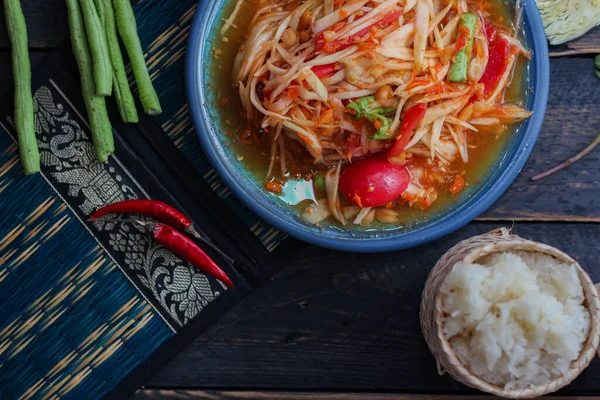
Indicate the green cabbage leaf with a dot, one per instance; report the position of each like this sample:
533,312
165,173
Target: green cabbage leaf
565,20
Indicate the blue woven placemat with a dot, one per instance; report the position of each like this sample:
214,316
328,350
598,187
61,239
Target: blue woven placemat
85,306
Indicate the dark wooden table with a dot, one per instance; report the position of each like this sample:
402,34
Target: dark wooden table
336,325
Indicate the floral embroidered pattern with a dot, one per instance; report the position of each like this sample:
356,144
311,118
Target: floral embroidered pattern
177,290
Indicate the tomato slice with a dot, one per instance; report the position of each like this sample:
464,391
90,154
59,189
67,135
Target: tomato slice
490,31
458,185
373,181
324,70
411,119
499,52
341,44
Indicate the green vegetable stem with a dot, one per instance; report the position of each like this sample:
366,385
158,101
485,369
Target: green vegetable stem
23,118
121,89
128,31
363,108
458,72
96,107
96,37
597,62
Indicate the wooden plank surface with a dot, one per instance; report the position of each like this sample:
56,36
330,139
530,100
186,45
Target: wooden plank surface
572,121
342,321
587,44
152,394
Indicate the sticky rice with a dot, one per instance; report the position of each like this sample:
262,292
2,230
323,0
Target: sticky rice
515,319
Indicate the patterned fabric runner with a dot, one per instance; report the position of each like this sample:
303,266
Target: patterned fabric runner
87,304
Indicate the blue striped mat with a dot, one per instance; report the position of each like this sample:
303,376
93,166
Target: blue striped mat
72,325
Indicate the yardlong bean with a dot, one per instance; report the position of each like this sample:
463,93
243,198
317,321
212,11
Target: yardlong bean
458,72
96,107
121,89
102,69
23,118
128,31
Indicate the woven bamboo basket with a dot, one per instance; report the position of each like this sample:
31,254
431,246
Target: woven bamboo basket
469,251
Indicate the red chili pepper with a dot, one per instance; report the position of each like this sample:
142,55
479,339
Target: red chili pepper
324,70
460,43
341,44
411,119
499,52
159,211
152,208
185,248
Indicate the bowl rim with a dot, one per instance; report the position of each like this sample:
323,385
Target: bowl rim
200,28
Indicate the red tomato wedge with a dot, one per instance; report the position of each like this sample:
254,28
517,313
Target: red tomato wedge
341,44
411,119
373,181
499,52
322,71
490,31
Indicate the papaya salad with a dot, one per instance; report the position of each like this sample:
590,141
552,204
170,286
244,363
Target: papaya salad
378,103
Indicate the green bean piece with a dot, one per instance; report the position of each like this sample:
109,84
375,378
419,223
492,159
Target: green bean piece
101,11
23,118
99,48
320,183
458,72
95,105
121,89
128,31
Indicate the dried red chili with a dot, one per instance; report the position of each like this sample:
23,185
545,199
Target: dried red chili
185,248
159,211
152,208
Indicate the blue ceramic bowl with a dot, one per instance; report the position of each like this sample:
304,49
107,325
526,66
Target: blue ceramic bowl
250,190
